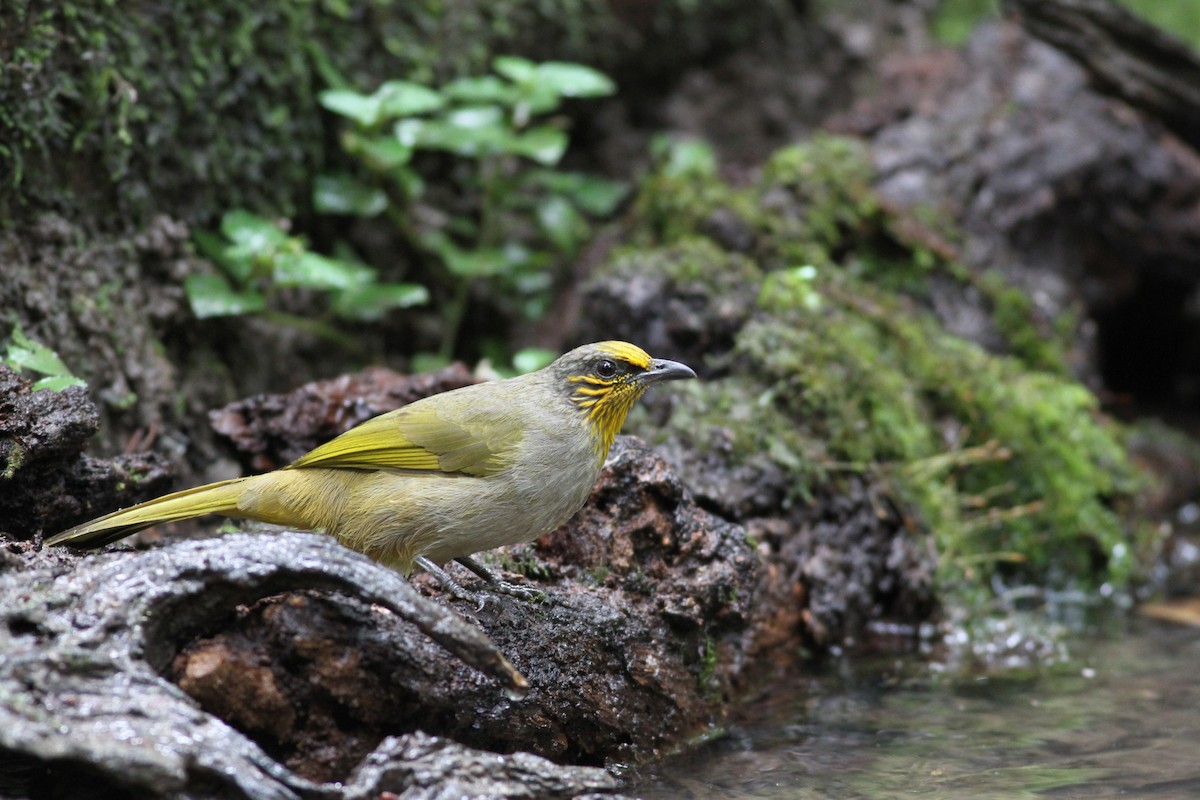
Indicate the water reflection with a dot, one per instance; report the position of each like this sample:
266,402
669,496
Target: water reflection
1121,718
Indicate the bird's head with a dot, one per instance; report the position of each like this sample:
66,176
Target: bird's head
604,380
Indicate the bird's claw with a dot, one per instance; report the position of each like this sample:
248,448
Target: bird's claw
527,593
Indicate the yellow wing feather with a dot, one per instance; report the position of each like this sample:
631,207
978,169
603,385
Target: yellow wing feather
416,438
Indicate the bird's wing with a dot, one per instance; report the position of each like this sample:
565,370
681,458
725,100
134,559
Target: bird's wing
419,438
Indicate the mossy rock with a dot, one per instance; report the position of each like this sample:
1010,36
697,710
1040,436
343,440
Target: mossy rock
109,114
838,364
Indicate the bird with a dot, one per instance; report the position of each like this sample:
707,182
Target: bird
442,478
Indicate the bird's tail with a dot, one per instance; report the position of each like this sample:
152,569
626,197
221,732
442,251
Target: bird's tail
214,498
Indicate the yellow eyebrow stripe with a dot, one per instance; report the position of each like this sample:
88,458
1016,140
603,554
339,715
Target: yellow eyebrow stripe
626,351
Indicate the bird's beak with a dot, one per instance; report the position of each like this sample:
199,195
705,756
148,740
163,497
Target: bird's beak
663,370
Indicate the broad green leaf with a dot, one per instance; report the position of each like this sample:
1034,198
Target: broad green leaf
516,69
542,144
251,234
532,358
481,90
24,353
212,296
464,140
316,271
559,220
474,263
217,250
409,181
683,158
483,116
534,100
345,194
363,109
383,153
408,132
517,256
56,383
372,301
599,196
573,80
592,194
405,99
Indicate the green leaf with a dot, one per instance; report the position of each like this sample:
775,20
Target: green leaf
542,144
593,195
405,99
251,234
56,383
465,134
516,69
573,80
217,250
684,158
372,301
345,194
478,262
484,116
599,196
475,263
363,109
383,153
532,358
481,90
25,354
409,181
315,271
212,296
559,220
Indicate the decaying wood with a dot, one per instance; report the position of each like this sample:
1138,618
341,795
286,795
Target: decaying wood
83,650
1141,64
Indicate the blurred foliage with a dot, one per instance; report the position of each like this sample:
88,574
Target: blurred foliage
505,216
191,107
258,259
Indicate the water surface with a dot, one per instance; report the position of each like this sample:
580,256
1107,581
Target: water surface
1121,717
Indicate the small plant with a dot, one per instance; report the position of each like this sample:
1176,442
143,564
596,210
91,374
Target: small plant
25,354
510,218
257,259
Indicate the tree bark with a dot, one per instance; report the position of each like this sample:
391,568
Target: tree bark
1126,56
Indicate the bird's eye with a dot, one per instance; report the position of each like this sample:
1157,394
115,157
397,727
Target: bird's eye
606,369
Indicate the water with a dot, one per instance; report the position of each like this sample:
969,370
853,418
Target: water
1121,718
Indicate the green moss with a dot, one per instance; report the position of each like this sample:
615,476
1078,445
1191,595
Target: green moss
1041,344
13,461
1010,464
192,107
693,260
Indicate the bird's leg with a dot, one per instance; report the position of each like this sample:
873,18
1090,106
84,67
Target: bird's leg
448,583
497,585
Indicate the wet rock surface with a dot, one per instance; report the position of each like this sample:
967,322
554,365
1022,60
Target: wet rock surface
316,656
1085,203
85,646
46,481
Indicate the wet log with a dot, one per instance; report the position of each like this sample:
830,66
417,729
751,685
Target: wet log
1124,55
85,649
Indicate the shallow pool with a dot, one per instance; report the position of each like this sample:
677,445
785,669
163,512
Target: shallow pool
1121,717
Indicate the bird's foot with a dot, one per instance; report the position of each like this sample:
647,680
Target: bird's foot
450,585
516,590
527,593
